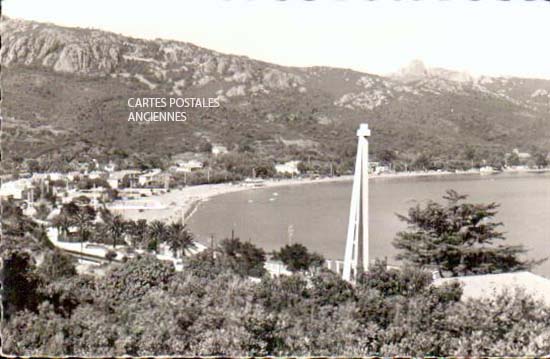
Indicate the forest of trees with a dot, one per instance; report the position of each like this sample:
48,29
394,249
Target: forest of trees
145,308
213,307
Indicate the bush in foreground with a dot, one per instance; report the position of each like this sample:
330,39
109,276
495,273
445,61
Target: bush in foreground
143,308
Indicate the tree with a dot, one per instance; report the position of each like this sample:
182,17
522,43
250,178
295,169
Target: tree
19,283
497,161
244,258
57,265
297,258
70,209
513,159
157,234
423,162
116,228
387,156
42,211
179,239
110,255
137,231
134,279
80,216
83,219
328,288
541,160
457,238
62,222
470,153
33,166
471,156
14,222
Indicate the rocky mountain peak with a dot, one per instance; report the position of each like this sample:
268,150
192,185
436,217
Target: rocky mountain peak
59,48
416,70
169,66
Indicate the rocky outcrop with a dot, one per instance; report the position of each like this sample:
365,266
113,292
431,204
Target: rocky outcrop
170,65
62,49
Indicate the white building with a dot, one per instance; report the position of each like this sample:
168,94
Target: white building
117,177
290,167
29,210
71,176
218,150
97,174
15,188
188,166
150,177
53,176
381,169
110,167
113,182
522,155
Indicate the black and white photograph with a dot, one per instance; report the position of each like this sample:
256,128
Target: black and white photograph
246,178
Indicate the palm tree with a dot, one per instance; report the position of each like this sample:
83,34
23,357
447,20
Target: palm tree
137,231
179,238
157,234
116,227
105,215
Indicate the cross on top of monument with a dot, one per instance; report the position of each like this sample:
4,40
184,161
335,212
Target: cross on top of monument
363,130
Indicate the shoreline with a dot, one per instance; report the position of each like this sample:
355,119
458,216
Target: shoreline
182,204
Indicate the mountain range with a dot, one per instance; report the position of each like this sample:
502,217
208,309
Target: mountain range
65,93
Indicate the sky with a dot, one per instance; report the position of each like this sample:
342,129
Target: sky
491,37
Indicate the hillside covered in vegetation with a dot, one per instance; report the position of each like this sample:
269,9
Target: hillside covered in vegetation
65,93
224,303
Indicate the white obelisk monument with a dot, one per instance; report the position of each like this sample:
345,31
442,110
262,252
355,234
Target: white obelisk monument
357,245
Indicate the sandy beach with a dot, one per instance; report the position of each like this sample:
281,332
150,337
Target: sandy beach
180,204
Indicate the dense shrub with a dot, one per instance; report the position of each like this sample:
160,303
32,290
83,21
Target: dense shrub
143,307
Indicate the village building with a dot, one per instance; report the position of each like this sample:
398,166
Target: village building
290,167
97,174
110,167
114,183
523,156
188,166
94,196
73,175
124,178
15,189
218,150
188,162
52,176
28,209
378,168
152,178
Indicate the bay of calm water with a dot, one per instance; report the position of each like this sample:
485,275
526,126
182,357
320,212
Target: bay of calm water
317,214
